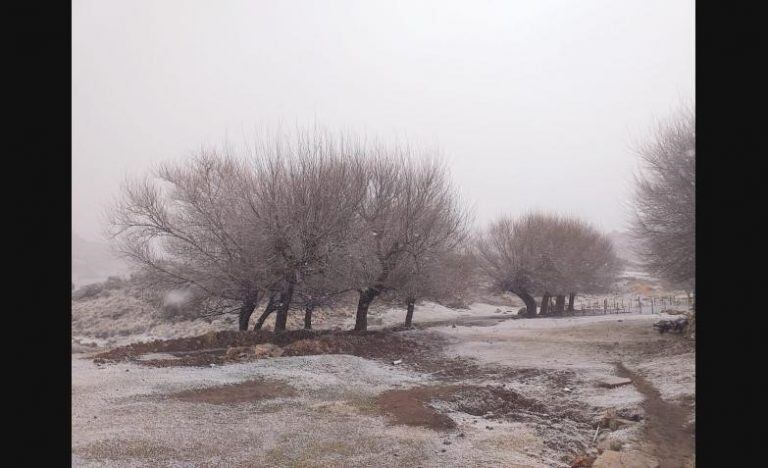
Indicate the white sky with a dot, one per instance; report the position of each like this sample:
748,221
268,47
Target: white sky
534,103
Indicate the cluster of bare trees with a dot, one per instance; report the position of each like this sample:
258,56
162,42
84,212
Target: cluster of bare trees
665,209
295,223
549,256
300,222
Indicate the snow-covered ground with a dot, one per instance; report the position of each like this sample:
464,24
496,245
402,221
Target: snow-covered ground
123,415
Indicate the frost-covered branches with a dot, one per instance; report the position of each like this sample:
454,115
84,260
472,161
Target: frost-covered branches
541,254
665,200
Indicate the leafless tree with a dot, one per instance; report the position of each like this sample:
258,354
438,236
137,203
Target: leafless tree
414,218
310,187
188,227
235,228
548,255
584,260
665,209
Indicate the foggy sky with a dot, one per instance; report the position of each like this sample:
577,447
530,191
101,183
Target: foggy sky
534,104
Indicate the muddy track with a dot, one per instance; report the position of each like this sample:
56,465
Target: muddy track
666,429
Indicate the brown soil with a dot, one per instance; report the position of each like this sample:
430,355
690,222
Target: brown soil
252,390
412,406
666,430
211,348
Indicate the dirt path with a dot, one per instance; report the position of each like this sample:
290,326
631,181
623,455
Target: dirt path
666,431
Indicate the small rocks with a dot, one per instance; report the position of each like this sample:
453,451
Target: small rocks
489,428
613,382
257,351
623,459
446,442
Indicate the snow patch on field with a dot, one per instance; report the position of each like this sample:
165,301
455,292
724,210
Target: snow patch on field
673,376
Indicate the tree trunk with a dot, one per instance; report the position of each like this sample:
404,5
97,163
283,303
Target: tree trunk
559,304
545,304
571,299
281,320
409,313
366,297
245,314
308,318
530,302
273,300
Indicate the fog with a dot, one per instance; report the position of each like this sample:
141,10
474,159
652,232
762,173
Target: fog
534,104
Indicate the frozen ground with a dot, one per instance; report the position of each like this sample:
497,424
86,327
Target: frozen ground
323,410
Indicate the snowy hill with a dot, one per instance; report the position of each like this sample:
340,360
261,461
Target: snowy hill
93,262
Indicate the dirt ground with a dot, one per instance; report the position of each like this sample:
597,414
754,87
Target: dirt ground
475,388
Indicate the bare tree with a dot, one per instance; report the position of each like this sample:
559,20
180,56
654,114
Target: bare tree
309,188
435,225
413,217
584,258
188,227
665,213
509,254
548,255
235,228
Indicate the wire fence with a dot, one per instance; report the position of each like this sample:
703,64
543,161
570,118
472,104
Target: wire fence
629,304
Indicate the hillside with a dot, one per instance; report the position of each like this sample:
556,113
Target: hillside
93,262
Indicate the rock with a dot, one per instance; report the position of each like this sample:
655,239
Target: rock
583,461
612,382
614,421
399,361
446,442
489,428
266,350
566,389
258,351
625,459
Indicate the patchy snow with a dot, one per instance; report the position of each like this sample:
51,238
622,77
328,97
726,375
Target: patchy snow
674,376
379,317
